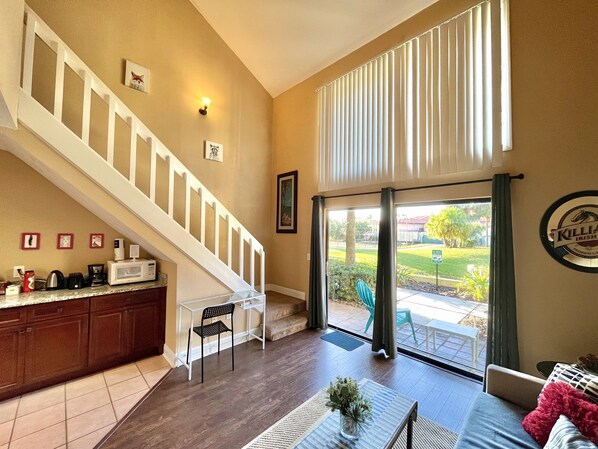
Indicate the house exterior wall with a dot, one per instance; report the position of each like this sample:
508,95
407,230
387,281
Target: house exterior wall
555,107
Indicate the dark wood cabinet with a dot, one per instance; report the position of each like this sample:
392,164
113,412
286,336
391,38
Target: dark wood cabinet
126,326
56,347
108,336
144,324
43,344
12,343
12,361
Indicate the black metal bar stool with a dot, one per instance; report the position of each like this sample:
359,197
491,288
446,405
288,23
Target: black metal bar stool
215,328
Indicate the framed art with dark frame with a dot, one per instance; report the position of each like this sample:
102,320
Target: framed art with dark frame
286,202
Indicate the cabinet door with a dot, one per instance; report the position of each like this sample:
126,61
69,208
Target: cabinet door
144,324
108,336
12,361
56,347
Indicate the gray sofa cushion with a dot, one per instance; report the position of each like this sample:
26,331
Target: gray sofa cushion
493,423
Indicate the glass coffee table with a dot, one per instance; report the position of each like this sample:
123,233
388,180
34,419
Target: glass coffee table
391,413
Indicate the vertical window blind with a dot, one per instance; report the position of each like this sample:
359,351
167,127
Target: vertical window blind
420,110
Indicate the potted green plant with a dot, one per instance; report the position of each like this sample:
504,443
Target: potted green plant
354,408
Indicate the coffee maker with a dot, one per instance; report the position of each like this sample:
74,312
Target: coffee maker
97,276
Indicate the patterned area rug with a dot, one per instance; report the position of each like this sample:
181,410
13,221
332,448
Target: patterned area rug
290,429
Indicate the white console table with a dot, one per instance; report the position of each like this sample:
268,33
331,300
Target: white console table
247,300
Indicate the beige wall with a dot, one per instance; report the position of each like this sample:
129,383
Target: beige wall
33,204
555,106
187,60
10,45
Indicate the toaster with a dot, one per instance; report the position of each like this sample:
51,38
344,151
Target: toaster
75,281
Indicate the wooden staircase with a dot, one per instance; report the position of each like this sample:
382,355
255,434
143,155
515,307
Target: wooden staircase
285,315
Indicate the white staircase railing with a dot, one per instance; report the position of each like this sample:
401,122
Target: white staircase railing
35,27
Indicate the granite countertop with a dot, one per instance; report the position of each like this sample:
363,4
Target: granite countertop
46,296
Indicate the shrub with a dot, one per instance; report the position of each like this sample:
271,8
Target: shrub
404,275
342,279
475,284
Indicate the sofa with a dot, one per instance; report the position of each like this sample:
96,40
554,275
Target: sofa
494,420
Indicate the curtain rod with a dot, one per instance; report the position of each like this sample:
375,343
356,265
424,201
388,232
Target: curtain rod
450,184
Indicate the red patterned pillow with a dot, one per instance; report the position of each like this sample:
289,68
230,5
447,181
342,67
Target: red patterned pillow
553,402
584,414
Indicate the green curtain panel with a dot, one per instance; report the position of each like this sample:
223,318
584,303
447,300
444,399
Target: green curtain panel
317,310
385,330
502,346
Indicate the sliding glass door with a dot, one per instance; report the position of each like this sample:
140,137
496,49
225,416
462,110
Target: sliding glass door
352,256
442,278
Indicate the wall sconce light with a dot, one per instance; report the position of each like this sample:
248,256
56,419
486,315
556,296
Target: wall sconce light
206,102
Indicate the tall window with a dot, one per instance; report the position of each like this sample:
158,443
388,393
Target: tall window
424,108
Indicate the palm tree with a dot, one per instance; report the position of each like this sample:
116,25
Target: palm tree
350,239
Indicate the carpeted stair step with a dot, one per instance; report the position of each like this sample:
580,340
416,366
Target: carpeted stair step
280,306
282,327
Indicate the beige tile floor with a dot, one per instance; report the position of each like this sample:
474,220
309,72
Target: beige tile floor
79,413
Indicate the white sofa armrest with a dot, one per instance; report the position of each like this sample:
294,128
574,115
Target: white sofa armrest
519,388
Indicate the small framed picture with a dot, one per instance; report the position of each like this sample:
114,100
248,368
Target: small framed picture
137,77
30,240
65,241
96,240
286,202
214,151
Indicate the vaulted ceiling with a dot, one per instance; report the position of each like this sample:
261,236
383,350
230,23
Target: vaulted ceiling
283,42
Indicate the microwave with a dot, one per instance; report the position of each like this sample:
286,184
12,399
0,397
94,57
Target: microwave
129,271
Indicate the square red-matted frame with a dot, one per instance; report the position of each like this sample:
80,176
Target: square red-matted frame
96,240
30,240
65,240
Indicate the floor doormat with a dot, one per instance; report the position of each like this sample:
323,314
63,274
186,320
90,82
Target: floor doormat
285,433
342,340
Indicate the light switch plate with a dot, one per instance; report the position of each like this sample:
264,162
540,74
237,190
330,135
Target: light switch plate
15,271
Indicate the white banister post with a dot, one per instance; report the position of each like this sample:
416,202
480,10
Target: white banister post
28,53
251,263
187,202
111,124
241,254
170,186
263,271
133,153
59,82
216,230
86,113
229,243
202,219
153,170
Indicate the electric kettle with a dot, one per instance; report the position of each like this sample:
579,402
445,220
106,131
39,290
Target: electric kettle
55,280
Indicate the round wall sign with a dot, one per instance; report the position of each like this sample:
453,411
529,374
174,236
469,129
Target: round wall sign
569,231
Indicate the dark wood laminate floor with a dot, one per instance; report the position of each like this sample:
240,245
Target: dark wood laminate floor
232,408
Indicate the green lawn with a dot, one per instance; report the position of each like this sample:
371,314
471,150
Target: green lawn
419,259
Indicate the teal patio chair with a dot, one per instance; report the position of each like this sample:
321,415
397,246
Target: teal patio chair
403,315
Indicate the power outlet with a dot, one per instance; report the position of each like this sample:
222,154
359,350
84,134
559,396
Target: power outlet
15,271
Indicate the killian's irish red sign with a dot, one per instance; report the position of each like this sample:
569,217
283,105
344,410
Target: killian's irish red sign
569,231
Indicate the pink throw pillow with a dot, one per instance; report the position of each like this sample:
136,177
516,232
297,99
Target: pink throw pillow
552,403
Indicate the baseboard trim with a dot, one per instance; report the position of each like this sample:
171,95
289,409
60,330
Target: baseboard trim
212,347
170,356
286,291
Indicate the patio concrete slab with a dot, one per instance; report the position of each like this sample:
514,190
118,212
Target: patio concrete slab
424,307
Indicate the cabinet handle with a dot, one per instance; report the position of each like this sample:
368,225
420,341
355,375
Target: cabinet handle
21,331
29,330
59,310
